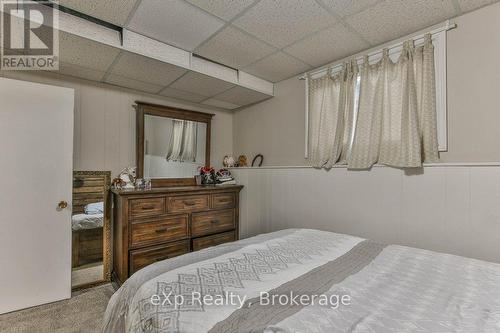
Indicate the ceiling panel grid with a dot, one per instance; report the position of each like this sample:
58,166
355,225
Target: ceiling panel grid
268,39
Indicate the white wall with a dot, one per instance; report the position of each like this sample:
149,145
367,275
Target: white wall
275,127
104,134
453,209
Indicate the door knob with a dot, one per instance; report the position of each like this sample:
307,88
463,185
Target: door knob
61,205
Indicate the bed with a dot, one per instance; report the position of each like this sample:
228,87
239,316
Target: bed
87,234
87,221
365,287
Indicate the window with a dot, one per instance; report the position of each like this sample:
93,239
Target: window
439,42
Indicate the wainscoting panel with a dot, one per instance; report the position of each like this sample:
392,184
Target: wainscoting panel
452,209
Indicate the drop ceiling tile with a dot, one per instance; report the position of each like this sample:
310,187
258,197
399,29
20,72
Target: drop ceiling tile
326,46
174,22
277,67
468,5
225,9
241,96
145,69
234,48
201,84
282,22
121,81
85,53
80,72
220,104
348,7
184,95
113,11
395,18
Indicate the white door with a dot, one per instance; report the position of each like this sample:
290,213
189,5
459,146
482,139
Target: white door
36,162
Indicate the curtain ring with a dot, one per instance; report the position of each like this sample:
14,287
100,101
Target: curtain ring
409,44
366,61
345,70
428,38
354,64
428,42
407,48
330,72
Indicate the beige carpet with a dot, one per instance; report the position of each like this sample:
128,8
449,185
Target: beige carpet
82,313
87,274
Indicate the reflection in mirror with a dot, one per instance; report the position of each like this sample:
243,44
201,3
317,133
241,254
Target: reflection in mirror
173,148
89,227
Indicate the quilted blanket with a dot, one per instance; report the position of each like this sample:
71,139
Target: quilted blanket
301,280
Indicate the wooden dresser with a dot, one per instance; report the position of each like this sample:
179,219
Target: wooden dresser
162,223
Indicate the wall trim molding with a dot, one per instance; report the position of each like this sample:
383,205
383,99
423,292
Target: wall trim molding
425,165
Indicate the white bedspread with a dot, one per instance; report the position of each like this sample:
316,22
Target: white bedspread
390,288
86,221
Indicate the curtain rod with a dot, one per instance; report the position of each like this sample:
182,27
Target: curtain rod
323,69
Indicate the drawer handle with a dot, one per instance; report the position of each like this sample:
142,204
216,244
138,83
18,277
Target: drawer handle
162,230
214,221
147,207
189,203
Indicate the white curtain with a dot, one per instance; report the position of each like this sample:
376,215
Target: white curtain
426,99
189,141
400,141
395,123
175,144
350,109
366,143
331,110
183,141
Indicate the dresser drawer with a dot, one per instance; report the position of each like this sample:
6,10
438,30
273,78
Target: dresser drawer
188,203
223,200
207,223
147,207
144,257
208,241
164,230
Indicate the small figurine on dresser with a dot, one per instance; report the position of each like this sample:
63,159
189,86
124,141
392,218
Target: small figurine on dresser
224,177
207,175
117,183
143,184
242,161
228,161
127,177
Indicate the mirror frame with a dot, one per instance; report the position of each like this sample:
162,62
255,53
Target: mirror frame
143,109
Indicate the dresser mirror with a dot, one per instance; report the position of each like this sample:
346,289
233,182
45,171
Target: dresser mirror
172,144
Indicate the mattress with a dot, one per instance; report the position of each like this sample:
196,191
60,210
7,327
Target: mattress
86,221
301,280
